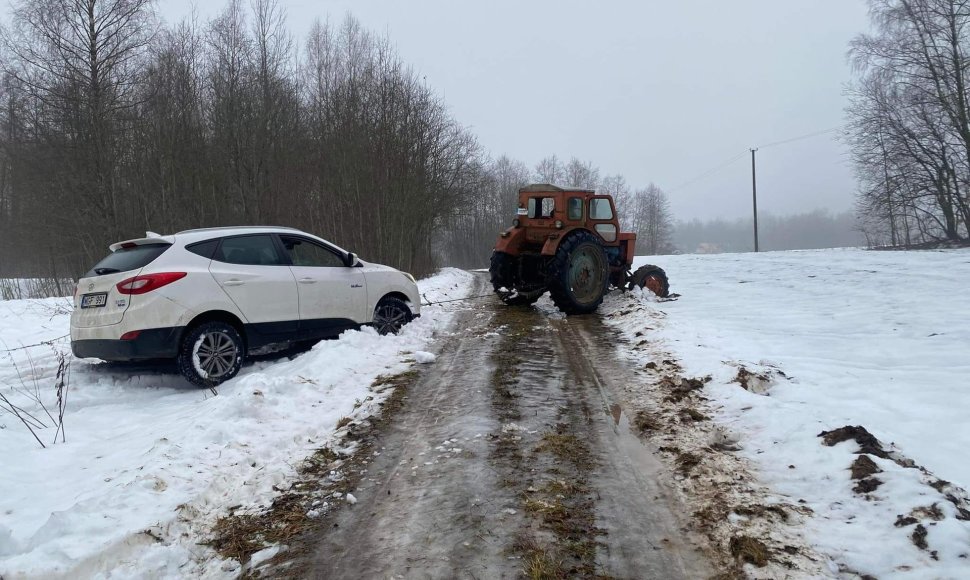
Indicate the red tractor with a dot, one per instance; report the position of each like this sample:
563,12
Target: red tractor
567,241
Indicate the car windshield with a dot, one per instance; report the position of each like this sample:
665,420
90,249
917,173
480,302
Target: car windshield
127,259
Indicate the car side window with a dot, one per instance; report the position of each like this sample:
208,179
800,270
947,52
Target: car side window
599,209
304,252
205,249
255,250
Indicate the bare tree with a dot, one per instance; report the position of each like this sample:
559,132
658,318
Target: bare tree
550,170
910,120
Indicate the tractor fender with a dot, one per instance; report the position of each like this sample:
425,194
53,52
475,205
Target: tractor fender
552,244
510,241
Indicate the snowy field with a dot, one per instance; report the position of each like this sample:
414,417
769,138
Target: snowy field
150,461
875,339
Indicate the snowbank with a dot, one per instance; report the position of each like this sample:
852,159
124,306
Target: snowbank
877,339
150,461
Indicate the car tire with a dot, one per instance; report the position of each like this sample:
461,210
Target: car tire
390,315
211,353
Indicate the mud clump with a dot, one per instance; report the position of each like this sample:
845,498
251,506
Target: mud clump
903,521
749,550
759,383
864,467
867,485
932,512
919,537
867,442
682,388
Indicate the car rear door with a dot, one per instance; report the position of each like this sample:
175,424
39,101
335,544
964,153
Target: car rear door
98,301
251,270
332,295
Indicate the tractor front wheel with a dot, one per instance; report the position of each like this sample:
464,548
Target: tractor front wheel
580,274
651,278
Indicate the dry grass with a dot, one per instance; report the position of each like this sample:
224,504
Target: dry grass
693,414
686,462
646,422
749,550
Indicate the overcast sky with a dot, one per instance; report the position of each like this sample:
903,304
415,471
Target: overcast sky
656,90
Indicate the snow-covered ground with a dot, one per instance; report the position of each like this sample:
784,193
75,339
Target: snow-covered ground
149,460
876,339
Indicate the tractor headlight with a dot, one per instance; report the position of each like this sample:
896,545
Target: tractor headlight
410,277
515,223
558,224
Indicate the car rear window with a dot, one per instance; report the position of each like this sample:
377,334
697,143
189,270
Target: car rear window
127,259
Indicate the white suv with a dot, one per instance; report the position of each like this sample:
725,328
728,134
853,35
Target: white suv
208,297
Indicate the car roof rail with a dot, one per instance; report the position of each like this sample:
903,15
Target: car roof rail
224,228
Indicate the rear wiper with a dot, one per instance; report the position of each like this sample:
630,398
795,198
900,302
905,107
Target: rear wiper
103,271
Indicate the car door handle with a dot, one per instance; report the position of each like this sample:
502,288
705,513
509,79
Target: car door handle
307,281
233,282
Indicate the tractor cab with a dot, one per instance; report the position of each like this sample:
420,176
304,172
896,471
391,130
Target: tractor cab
547,213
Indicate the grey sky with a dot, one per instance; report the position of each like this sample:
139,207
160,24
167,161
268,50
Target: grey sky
654,90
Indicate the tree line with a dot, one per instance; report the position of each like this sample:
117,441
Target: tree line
112,124
810,230
909,122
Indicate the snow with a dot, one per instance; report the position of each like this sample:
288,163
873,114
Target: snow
424,357
877,339
150,461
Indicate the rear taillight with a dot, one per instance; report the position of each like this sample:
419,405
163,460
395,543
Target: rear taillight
148,282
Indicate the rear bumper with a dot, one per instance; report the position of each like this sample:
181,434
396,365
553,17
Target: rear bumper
150,344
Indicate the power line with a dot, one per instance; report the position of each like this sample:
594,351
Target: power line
800,137
709,172
735,158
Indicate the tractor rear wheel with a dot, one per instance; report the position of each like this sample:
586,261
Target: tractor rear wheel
580,274
651,278
502,272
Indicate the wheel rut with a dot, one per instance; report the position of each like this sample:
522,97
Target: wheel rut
509,459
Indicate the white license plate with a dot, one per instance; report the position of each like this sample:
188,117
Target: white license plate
94,300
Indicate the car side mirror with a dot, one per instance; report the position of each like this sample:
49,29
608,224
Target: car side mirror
352,260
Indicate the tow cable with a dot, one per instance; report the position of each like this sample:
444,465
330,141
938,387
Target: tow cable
428,302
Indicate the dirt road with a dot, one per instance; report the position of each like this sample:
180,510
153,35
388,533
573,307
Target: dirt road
511,456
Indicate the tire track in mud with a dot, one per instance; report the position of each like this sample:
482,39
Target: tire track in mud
430,506
509,458
590,489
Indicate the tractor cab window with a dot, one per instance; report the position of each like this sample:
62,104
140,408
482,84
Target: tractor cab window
599,209
541,207
574,208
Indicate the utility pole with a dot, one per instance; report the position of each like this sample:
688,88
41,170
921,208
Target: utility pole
754,199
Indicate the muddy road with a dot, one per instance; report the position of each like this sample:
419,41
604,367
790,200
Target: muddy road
511,456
